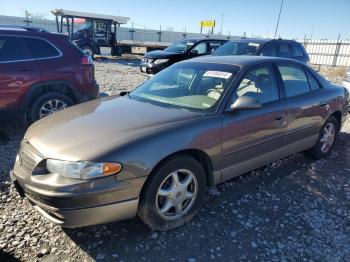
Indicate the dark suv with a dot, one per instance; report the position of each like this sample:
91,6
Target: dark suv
155,61
41,73
265,47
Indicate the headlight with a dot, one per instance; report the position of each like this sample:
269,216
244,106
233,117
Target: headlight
161,61
83,169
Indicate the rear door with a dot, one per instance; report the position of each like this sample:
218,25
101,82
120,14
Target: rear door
306,106
251,138
18,71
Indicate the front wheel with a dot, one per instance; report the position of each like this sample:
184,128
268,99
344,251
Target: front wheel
173,194
326,139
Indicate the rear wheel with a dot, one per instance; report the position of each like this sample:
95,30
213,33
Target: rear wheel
173,194
326,139
48,104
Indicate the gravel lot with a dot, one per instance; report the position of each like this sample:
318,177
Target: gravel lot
295,209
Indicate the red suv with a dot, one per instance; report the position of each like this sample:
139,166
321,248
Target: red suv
41,73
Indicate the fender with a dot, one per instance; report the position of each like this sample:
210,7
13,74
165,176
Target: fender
39,88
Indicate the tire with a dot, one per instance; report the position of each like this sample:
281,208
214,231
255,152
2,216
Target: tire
41,105
319,150
88,50
151,203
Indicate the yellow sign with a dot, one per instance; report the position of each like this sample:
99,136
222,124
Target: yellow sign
207,23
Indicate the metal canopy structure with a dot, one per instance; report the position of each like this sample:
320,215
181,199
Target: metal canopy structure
74,14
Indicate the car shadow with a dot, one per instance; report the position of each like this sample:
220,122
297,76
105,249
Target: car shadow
6,257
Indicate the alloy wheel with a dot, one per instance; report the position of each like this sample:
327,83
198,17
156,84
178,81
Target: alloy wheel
176,194
51,106
327,138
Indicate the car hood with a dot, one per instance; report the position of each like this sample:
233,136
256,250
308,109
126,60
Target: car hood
158,54
89,130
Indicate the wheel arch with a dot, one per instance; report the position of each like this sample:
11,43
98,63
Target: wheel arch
65,87
338,116
201,156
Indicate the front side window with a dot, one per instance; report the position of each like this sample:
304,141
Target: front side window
190,86
237,48
200,48
180,47
294,80
11,49
214,45
259,83
284,50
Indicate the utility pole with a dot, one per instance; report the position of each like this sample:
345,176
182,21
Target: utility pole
222,21
312,32
278,20
27,20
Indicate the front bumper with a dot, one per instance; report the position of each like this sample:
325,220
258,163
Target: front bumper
72,209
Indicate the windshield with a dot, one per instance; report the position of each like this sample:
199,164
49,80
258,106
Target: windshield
190,86
180,47
237,48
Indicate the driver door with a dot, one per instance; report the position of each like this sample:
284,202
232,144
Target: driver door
252,137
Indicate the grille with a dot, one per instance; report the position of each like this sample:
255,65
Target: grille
27,162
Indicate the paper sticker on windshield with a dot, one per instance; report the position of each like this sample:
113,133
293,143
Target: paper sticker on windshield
219,74
253,44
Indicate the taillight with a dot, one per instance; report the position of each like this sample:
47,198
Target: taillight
86,60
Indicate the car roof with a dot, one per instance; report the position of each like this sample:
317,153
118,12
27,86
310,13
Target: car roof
203,39
262,40
22,28
240,60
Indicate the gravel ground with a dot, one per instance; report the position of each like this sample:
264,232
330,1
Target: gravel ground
295,209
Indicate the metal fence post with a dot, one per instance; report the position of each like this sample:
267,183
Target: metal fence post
160,34
132,31
337,49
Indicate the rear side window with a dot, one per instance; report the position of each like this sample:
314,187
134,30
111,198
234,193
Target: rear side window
314,85
297,51
11,49
284,50
294,80
269,49
40,48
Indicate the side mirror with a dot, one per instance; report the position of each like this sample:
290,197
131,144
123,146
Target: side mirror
245,102
194,52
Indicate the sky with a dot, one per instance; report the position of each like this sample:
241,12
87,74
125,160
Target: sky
321,19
